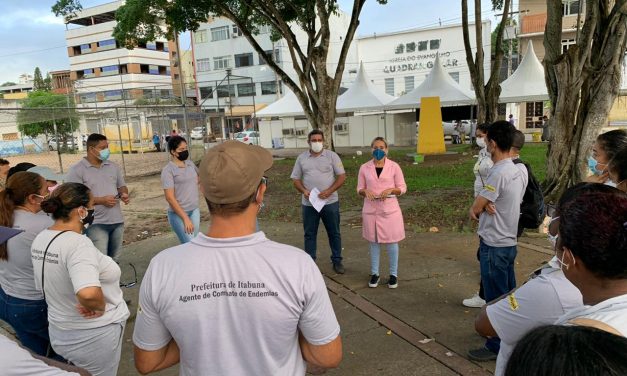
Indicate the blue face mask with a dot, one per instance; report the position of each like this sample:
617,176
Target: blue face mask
104,154
378,154
592,165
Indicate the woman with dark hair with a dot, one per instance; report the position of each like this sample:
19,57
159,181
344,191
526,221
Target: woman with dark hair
21,304
569,351
380,182
618,169
481,169
606,146
86,309
592,251
179,179
4,171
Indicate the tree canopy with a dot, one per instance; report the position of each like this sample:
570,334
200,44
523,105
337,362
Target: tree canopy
42,109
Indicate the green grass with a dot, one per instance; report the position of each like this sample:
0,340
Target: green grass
439,191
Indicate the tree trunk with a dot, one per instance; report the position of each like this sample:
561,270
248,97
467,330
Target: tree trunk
583,84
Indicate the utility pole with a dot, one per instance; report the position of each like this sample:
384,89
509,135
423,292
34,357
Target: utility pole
181,82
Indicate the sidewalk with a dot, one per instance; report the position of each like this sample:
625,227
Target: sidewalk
381,328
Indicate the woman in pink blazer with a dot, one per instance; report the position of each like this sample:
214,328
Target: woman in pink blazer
380,181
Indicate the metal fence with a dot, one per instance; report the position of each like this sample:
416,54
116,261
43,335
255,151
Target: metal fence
129,130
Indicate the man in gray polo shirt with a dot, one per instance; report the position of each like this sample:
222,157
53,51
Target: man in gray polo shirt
323,170
233,302
503,191
106,182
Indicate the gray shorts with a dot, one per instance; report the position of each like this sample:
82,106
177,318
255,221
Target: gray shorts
97,350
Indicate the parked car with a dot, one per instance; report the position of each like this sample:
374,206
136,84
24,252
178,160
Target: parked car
197,133
52,144
449,127
248,137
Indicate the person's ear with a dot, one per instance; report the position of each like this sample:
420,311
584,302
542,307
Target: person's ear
261,191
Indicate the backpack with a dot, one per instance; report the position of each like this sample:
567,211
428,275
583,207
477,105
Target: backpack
532,206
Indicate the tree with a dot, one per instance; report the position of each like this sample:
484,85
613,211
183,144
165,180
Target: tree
487,94
582,83
47,83
316,90
38,80
42,109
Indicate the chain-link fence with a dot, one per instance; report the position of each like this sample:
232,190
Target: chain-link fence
137,135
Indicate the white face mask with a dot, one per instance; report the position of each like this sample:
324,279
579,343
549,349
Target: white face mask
481,142
316,147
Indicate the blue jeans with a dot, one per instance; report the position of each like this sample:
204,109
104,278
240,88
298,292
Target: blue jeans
330,215
107,238
29,319
375,252
178,226
497,277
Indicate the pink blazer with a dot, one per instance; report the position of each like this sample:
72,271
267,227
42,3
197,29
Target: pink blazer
382,219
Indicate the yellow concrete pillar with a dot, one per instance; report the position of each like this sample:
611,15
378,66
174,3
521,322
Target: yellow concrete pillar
431,133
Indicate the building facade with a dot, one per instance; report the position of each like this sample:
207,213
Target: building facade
105,74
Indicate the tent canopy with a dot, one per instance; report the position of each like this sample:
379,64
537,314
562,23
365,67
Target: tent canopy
527,83
437,84
285,107
362,95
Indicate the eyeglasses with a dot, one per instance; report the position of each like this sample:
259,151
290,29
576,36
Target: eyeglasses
130,284
264,180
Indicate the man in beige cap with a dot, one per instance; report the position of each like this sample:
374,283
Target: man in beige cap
231,301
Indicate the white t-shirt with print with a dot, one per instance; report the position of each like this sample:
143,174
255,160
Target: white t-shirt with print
74,263
612,312
538,302
234,306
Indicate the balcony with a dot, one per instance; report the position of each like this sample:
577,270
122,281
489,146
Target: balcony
533,24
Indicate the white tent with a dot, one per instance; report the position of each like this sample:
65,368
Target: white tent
437,84
284,107
527,83
363,95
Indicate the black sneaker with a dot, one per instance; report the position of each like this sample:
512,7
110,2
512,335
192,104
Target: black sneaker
374,281
393,282
338,267
481,355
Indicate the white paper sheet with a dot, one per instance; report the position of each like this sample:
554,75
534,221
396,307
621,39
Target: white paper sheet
316,201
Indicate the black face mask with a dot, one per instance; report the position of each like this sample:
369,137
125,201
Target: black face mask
89,218
183,155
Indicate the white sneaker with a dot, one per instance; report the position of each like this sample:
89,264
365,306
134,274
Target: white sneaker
474,302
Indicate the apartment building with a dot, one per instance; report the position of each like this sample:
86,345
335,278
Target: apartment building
105,74
533,18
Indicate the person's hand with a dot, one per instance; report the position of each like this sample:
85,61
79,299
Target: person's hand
88,313
491,208
306,194
325,194
109,201
472,215
386,193
189,226
601,179
369,195
125,198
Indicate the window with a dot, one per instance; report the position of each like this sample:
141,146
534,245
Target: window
302,132
287,131
151,46
533,116
243,60
566,43
434,44
153,69
236,31
268,55
108,44
455,76
268,87
340,127
206,92
223,92
422,45
203,65
409,84
88,73
245,90
219,33
88,97
112,95
109,70
221,62
389,86
570,7
200,36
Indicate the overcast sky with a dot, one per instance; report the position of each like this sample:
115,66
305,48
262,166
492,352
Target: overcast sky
32,36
